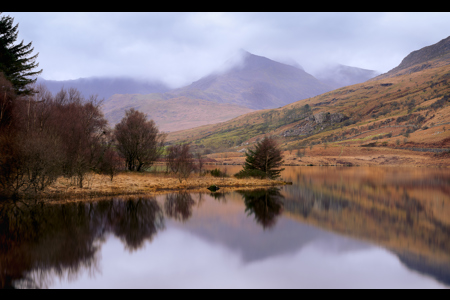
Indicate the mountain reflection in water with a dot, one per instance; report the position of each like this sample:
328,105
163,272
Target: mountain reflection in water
334,227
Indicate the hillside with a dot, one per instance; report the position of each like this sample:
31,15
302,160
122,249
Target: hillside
378,116
172,114
256,83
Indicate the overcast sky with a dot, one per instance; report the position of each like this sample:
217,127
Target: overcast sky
180,48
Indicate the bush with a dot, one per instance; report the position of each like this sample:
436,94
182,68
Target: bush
218,173
255,173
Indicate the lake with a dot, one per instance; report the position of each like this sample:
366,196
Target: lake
334,227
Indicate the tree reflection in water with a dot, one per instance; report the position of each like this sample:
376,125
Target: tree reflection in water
221,197
265,204
135,221
40,241
179,206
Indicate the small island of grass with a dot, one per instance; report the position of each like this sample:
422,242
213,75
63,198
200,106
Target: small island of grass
137,183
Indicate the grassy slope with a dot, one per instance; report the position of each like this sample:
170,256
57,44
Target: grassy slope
173,114
373,107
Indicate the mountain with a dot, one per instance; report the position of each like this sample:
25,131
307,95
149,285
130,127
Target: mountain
338,75
256,82
428,57
105,87
408,110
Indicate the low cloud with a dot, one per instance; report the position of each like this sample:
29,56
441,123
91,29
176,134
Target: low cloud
180,48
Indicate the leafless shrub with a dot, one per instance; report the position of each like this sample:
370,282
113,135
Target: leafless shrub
110,162
180,161
200,162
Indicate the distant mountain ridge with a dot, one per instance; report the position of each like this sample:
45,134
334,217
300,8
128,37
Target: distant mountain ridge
338,75
249,82
256,83
105,87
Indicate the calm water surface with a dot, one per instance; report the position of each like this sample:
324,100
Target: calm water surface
333,228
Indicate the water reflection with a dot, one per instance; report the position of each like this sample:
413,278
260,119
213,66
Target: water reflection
220,196
400,212
179,206
323,230
265,204
404,210
64,239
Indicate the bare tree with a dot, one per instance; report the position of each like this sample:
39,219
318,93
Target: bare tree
7,101
49,136
81,126
180,161
172,157
138,141
200,162
110,161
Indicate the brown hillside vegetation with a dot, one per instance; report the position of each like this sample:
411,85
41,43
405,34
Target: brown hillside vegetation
254,83
173,114
401,117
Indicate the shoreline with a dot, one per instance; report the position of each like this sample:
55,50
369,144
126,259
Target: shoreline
349,156
139,184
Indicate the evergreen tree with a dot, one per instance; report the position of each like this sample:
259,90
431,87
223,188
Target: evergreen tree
266,157
15,61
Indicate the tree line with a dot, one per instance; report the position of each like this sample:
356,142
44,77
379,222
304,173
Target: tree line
45,136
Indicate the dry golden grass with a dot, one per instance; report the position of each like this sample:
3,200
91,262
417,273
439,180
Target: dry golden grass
336,154
148,183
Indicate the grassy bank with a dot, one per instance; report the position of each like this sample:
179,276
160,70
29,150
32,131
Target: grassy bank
131,183
335,154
